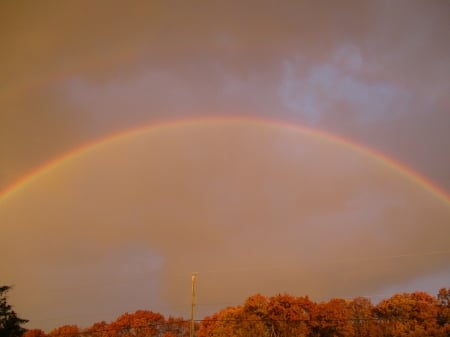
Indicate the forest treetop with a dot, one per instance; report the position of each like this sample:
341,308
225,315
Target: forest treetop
403,314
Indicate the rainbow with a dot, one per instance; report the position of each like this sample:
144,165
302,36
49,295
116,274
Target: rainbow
390,163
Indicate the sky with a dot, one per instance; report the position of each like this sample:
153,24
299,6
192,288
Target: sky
253,207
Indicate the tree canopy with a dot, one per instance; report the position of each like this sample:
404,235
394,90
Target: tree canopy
416,314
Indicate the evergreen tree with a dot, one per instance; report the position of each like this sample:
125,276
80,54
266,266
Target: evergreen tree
10,324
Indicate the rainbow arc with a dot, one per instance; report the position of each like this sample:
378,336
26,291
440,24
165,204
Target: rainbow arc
390,163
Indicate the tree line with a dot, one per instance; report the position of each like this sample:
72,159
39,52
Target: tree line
415,314
407,314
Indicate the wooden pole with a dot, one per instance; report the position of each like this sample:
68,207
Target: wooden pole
192,304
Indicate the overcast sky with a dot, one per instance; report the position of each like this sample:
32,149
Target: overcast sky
73,72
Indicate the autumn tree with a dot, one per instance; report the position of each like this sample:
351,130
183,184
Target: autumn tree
65,331
407,314
253,317
225,323
207,325
176,326
34,333
403,315
142,323
10,323
289,316
443,316
363,318
332,319
98,329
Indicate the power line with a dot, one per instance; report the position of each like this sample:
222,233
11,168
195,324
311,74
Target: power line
178,325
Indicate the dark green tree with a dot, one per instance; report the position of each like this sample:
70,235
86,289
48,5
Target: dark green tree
10,324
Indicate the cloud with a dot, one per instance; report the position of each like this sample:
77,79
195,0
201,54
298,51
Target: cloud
328,85
358,72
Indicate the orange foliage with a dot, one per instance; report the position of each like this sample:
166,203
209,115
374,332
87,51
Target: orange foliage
223,323
177,327
414,315
99,329
444,311
140,324
289,316
34,333
363,319
65,331
169,334
332,318
409,315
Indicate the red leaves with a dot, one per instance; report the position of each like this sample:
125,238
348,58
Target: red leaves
415,314
140,324
65,331
409,314
333,318
34,333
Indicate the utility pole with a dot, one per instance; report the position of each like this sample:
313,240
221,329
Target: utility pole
193,305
